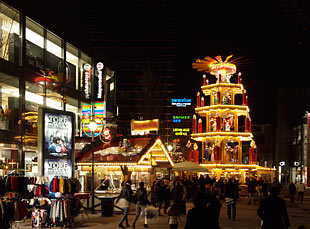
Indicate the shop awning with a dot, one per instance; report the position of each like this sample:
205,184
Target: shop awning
188,166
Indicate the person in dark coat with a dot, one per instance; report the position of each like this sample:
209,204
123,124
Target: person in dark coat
125,198
166,195
252,190
158,198
214,205
272,211
201,216
231,196
142,203
265,188
292,190
178,194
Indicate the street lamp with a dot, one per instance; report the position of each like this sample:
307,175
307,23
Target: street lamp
92,126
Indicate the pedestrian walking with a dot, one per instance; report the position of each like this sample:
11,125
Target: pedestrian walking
273,211
158,198
123,202
252,190
141,205
216,187
201,216
231,196
177,195
265,188
292,190
166,195
174,216
214,205
301,188
259,187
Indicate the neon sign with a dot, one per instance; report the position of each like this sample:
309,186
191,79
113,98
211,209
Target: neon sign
181,102
179,118
100,89
87,76
181,131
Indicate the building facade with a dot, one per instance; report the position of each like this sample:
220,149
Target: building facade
39,68
143,41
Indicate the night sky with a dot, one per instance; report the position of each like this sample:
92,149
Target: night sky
272,35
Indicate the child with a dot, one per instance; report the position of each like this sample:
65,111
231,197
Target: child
174,216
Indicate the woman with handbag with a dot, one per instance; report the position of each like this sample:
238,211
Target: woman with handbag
141,205
123,201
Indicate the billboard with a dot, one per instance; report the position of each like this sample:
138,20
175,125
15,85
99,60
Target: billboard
57,142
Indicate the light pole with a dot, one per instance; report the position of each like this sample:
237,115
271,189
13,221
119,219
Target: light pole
92,127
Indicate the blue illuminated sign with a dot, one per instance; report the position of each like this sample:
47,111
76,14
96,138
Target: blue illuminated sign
181,102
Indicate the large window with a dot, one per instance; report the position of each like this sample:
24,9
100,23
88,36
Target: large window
9,34
9,102
72,58
34,45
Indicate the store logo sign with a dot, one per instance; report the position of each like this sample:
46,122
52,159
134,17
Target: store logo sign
181,102
100,89
87,75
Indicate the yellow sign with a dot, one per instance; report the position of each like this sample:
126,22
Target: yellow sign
145,125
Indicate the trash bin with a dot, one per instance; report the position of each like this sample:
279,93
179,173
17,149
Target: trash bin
107,206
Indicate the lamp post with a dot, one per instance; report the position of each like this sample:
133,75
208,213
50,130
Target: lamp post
92,127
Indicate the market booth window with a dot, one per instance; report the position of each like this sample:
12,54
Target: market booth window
9,34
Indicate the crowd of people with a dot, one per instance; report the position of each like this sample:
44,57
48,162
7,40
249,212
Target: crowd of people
169,198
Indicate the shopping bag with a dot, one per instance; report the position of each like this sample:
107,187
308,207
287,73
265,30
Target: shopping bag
229,200
151,213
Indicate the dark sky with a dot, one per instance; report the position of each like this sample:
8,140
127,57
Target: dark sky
273,35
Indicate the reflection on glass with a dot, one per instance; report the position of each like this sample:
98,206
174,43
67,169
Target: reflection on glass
34,45
9,34
9,102
72,57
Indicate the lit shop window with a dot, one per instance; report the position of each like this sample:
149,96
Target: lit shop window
9,34
9,102
72,106
72,58
34,45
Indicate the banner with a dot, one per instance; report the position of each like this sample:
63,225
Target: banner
57,140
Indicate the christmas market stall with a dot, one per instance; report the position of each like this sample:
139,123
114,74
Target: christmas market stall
135,158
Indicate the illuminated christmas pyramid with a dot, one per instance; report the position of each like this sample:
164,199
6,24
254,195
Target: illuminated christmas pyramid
220,124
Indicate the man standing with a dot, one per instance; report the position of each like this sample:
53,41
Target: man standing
252,190
301,188
166,195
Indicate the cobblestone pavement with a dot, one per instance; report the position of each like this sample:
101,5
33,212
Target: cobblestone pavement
246,218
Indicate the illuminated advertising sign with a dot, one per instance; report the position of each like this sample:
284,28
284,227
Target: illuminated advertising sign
181,131
145,125
179,118
100,81
99,115
57,141
87,79
181,102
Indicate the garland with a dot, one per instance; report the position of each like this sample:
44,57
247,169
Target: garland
118,139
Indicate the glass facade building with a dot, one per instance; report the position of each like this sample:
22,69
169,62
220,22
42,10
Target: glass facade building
40,69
